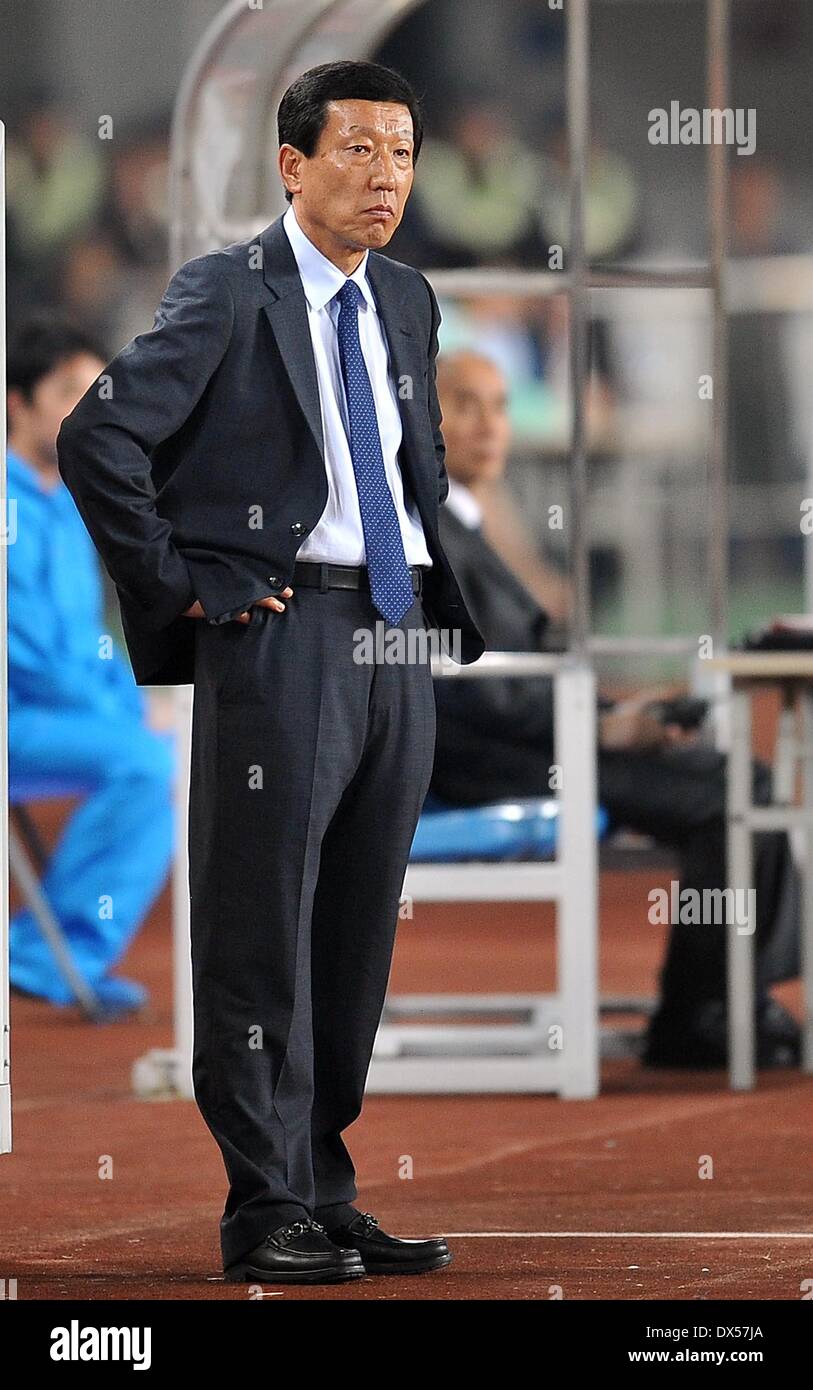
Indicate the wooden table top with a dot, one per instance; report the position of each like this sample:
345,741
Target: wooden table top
765,665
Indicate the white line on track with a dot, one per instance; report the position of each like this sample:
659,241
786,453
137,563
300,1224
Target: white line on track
630,1235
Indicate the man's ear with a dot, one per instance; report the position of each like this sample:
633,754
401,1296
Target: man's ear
288,162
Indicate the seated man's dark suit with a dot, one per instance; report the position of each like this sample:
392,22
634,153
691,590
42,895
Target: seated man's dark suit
495,740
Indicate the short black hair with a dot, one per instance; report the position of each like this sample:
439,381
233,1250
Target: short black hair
302,113
40,342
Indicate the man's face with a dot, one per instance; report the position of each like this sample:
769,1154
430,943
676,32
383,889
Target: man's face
476,427
54,397
363,161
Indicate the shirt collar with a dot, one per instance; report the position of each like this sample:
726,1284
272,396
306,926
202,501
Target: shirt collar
321,279
462,502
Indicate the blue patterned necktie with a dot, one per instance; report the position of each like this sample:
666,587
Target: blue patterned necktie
389,573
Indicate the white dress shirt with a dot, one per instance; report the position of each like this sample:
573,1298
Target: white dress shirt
338,537
464,504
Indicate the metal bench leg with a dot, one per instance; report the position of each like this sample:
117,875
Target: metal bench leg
31,835
22,871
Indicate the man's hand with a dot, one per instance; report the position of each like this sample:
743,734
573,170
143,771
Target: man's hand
195,611
673,733
629,726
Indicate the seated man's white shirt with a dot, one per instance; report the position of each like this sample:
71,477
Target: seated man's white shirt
463,503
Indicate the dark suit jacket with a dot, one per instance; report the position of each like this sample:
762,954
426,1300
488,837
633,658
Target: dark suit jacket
484,724
196,458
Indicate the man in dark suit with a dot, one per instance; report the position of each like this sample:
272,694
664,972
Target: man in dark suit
262,474
495,741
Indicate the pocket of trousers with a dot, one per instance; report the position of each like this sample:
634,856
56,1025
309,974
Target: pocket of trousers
238,657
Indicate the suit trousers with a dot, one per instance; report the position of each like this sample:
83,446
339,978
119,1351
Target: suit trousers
309,770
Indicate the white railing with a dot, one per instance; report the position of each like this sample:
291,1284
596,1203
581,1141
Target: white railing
516,1061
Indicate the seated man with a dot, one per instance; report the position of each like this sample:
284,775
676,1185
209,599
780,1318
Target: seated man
75,712
495,740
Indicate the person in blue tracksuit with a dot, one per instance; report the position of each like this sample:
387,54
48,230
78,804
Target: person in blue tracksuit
76,716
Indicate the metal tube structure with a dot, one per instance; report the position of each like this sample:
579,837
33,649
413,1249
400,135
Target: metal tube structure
294,34
224,187
717,43
577,79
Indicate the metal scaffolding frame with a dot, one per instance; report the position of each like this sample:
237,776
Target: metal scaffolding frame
301,32
218,87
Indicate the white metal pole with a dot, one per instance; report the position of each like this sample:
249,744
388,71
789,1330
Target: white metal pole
577,912
740,961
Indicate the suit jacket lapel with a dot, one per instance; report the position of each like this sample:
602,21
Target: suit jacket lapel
288,315
397,318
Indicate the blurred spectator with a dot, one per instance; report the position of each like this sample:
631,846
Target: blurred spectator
55,181
529,340
75,712
612,198
93,285
114,280
136,210
760,415
467,383
477,196
87,222
755,203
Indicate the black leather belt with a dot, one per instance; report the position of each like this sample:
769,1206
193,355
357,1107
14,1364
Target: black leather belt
323,576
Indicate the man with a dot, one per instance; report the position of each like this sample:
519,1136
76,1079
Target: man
75,714
495,740
268,462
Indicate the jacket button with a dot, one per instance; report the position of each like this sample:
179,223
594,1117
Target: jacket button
297,528
274,579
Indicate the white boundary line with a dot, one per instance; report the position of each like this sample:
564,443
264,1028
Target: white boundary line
629,1235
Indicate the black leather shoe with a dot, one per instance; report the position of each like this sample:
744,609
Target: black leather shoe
702,1041
299,1253
383,1254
